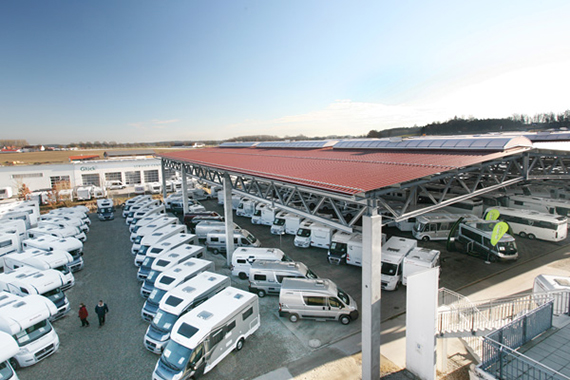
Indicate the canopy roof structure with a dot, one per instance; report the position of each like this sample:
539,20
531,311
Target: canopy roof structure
302,176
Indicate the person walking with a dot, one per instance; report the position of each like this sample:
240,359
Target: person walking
101,309
83,314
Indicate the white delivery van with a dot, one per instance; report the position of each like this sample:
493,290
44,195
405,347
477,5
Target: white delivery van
9,349
246,207
40,259
27,320
264,214
203,228
162,248
201,338
57,231
475,238
216,241
303,235
49,243
265,276
148,212
393,253
179,301
105,209
169,279
48,283
139,231
132,201
115,185
244,257
419,260
318,299
156,236
168,260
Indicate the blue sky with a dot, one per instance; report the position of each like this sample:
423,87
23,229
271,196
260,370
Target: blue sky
137,71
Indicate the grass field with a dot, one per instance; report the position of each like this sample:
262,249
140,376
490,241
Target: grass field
55,157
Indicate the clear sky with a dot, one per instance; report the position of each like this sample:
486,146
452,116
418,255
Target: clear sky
138,71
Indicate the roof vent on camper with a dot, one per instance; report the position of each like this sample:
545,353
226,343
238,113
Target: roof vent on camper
21,275
3,297
211,278
166,244
205,315
173,255
188,289
177,270
38,275
562,281
19,304
238,296
320,283
187,330
189,263
157,234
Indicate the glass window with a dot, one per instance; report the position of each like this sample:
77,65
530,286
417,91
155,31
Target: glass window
247,313
132,178
259,277
116,176
151,175
90,179
334,302
314,301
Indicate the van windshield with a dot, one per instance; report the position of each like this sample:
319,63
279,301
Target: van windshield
509,247
251,239
343,296
310,274
279,222
5,371
389,269
164,321
304,232
54,295
419,227
338,248
156,295
33,333
175,356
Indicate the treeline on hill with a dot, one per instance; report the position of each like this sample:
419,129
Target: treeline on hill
14,142
469,126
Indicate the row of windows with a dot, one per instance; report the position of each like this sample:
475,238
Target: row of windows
27,175
131,178
528,222
322,301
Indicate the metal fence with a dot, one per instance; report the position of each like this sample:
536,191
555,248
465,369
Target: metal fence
499,357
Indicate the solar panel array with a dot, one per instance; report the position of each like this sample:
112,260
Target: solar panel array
246,144
314,144
487,143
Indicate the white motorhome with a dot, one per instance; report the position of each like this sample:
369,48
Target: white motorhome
57,231
303,235
169,279
29,214
321,235
49,243
266,276
156,236
140,230
286,222
548,205
105,209
343,244
246,207
550,283
6,192
147,212
419,260
9,349
393,253
216,240
183,242
40,259
244,257
170,259
8,244
64,220
236,199
83,193
16,227
48,283
475,238
201,338
264,214
179,301
154,187
140,206
71,212
173,241
437,226
27,320
318,299
203,228
132,201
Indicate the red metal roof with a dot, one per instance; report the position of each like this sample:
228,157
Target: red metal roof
343,171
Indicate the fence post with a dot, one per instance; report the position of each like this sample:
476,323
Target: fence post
501,361
525,321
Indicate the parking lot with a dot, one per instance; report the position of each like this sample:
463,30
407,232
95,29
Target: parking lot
116,350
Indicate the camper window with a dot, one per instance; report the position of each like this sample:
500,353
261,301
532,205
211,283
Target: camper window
230,326
334,302
260,277
314,301
247,314
5,243
216,337
241,261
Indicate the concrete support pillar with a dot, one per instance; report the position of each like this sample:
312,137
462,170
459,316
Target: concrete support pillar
163,172
229,218
184,191
371,296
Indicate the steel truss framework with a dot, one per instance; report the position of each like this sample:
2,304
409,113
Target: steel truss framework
344,212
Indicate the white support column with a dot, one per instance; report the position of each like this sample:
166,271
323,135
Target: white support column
184,192
371,296
229,218
163,172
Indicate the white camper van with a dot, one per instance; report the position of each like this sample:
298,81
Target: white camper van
105,209
40,259
318,299
393,253
50,243
70,219
203,228
169,279
419,260
265,276
132,201
244,257
246,208
140,206
179,301
437,226
156,236
54,230
321,235
170,259
9,349
286,222
216,241
162,248
303,235
27,320
48,283
264,214
139,231
201,338
344,244
146,212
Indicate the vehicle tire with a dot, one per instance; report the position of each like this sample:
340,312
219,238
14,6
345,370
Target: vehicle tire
425,238
239,344
215,251
344,319
14,364
522,234
293,318
242,276
493,258
531,237
397,286
261,293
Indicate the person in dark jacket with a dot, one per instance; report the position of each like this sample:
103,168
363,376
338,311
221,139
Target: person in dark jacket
101,309
83,315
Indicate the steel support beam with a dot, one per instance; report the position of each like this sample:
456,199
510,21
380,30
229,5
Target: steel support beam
229,218
184,191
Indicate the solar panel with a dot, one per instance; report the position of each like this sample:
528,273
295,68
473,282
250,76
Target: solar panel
313,144
237,144
466,143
